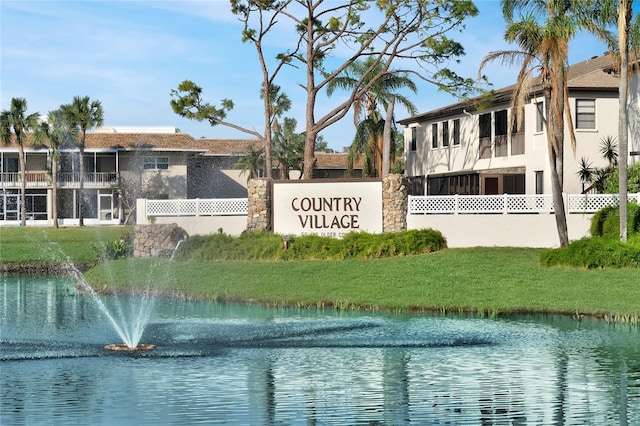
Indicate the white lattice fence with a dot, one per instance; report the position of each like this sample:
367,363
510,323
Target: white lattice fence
198,207
506,203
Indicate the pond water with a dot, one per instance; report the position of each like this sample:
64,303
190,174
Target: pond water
235,364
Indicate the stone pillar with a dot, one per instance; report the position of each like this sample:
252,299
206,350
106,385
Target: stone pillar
259,205
156,240
395,200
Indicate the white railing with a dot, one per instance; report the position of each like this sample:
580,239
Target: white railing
198,207
508,203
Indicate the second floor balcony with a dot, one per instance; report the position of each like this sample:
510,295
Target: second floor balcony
65,180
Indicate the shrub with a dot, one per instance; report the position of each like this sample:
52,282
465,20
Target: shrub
595,252
115,249
607,221
269,246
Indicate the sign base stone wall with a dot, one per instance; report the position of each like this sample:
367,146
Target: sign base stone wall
395,191
157,240
259,205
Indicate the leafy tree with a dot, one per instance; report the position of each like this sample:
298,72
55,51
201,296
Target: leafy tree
403,30
59,134
187,98
542,30
376,148
82,114
16,121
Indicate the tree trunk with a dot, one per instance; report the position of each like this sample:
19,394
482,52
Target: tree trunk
555,138
54,190
624,16
386,139
23,184
81,190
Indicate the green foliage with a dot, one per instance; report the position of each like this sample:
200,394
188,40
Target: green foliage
603,249
606,222
596,252
269,246
115,249
633,181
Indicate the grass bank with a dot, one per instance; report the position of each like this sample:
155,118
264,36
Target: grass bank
485,281
35,244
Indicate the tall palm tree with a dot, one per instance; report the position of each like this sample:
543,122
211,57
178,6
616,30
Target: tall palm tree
59,134
619,13
15,120
384,93
542,30
82,114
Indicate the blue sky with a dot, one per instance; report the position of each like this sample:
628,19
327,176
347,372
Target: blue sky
130,54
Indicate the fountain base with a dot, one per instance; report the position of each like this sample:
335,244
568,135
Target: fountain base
123,347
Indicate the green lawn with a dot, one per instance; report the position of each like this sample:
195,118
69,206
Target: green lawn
478,280
34,244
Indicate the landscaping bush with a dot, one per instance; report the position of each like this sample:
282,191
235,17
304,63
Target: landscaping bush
115,249
595,252
269,246
607,221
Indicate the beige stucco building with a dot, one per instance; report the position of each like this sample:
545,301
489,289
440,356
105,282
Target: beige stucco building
467,148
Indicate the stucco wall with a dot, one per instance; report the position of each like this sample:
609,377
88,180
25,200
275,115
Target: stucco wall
426,160
511,230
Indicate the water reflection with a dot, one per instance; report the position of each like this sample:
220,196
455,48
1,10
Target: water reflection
235,364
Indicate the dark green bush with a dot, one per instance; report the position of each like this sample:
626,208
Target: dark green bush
269,246
595,252
607,221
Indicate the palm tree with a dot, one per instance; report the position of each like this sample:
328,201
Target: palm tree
16,120
82,114
288,147
542,32
252,161
59,134
384,92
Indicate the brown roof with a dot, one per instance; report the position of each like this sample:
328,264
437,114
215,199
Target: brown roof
593,74
183,141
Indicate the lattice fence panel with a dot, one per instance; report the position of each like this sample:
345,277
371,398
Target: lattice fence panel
223,207
589,203
480,204
431,204
529,203
197,207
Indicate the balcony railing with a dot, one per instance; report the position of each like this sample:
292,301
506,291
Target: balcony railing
67,180
91,180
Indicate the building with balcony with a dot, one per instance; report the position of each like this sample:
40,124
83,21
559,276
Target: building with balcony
468,148
122,164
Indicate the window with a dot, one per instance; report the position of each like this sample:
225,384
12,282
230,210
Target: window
485,135
156,163
414,138
445,133
539,182
434,135
539,117
513,184
456,131
585,113
500,130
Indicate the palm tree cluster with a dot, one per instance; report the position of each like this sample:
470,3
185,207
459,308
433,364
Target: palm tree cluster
374,132
64,127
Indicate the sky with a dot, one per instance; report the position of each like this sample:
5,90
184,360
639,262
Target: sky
129,55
